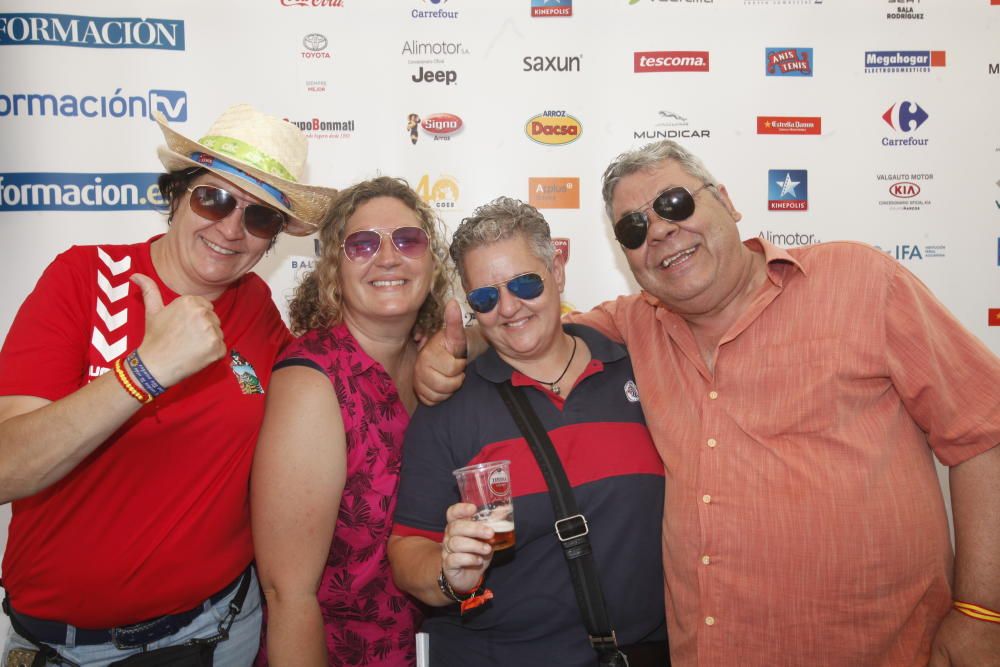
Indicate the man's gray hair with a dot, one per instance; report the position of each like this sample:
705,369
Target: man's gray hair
501,219
649,157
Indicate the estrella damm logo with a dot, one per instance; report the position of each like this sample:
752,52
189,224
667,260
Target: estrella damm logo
553,128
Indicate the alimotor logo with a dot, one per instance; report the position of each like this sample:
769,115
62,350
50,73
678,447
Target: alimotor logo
553,128
172,103
62,191
670,61
96,32
879,62
785,61
787,190
554,192
789,125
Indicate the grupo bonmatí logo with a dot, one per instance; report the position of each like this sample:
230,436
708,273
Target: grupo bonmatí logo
172,103
98,32
554,128
61,191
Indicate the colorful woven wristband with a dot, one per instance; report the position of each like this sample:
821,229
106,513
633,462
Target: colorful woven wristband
133,391
142,374
977,612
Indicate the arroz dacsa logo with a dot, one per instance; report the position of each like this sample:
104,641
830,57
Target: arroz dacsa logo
553,128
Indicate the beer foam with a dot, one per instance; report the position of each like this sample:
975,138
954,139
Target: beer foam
501,526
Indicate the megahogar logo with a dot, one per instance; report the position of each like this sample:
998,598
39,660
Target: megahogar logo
785,61
61,191
903,61
553,128
172,103
95,32
670,61
787,190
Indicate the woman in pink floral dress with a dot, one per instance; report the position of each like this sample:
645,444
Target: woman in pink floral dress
327,465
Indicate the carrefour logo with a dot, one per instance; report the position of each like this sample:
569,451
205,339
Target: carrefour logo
52,191
96,32
171,103
905,116
554,128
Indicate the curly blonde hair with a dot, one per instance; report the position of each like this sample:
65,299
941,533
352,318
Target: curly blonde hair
318,301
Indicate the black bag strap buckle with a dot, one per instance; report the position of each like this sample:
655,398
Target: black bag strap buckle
576,527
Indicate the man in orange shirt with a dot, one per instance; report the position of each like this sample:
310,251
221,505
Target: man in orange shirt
796,398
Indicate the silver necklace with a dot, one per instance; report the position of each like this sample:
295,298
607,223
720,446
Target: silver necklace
554,385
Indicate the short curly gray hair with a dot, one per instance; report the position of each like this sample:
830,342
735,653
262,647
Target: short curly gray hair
502,218
648,157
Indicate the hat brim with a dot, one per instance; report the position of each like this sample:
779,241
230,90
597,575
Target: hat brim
308,206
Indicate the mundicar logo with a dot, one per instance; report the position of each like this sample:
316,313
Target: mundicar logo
554,128
171,103
51,191
96,32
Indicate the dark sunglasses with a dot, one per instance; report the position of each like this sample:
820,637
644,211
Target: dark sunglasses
673,204
362,245
213,203
525,286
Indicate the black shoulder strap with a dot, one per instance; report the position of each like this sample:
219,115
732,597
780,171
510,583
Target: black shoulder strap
571,529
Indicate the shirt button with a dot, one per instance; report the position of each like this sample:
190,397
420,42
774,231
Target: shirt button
705,560
713,395
709,620
712,442
706,499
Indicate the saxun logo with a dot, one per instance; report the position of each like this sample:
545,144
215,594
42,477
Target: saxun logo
38,191
172,103
877,62
91,31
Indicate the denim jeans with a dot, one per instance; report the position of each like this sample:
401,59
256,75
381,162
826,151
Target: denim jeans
237,651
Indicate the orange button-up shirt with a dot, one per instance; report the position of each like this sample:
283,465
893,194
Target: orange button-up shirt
804,522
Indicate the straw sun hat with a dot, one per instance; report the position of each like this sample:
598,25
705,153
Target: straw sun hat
268,150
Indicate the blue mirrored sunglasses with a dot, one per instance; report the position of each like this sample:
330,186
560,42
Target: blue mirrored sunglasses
525,286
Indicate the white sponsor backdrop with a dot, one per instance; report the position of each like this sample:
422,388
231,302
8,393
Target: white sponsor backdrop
362,79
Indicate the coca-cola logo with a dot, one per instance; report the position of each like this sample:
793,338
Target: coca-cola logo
442,123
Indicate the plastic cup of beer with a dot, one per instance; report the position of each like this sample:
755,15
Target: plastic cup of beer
487,486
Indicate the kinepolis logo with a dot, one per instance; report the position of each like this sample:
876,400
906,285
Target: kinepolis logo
543,8
551,63
315,45
904,190
670,61
553,128
787,190
316,128
905,117
434,13
785,61
670,125
312,3
878,62
172,103
904,9
914,251
91,31
60,191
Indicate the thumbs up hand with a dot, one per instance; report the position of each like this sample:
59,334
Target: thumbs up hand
440,366
182,338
